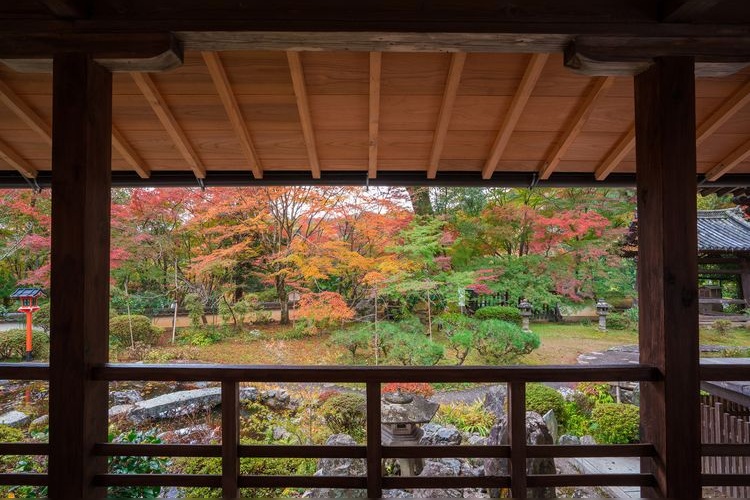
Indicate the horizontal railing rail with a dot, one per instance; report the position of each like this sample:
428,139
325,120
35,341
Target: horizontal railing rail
230,451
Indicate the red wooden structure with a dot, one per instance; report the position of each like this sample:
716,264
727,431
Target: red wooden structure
28,298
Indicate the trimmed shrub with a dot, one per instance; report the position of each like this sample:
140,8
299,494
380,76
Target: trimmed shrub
345,413
500,342
722,326
13,344
614,423
411,349
143,330
200,336
41,317
541,399
354,339
619,321
503,313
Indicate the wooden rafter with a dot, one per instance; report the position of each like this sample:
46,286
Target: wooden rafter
228,99
129,154
727,110
530,77
300,92
732,160
601,85
15,160
376,59
620,151
720,116
168,121
24,112
446,109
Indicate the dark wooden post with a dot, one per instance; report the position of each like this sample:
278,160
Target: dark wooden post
668,271
81,178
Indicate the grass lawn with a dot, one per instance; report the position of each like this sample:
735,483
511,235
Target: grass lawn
560,344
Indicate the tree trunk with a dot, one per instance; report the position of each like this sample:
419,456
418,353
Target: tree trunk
420,200
283,299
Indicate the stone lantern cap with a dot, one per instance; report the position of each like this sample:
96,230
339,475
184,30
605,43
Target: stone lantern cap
401,408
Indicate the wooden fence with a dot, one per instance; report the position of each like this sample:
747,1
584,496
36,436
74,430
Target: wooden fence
726,422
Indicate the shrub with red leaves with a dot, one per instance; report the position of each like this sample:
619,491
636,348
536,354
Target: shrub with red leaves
419,388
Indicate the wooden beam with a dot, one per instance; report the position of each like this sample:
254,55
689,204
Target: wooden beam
613,55
228,99
170,124
68,9
530,77
115,51
15,160
23,111
79,291
624,146
376,60
601,85
686,11
668,275
303,106
732,160
446,109
129,154
727,110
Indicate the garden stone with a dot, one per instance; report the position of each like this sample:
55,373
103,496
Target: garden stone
494,400
551,421
536,433
434,434
589,440
176,404
476,440
14,418
248,394
567,439
39,422
278,399
128,397
339,467
120,410
567,393
279,433
444,467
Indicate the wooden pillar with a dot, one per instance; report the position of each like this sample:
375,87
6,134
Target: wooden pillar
668,271
745,278
81,179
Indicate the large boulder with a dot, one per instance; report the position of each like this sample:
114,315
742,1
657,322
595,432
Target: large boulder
494,400
339,467
536,433
127,397
14,419
435,434
448,467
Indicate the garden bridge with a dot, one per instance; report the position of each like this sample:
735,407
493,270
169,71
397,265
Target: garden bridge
445,93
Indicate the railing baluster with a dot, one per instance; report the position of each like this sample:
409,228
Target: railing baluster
517,438
230,416
374,446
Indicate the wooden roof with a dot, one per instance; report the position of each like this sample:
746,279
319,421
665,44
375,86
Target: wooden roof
423,106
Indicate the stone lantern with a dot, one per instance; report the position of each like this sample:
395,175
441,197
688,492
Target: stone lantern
401,416
602,309
526,311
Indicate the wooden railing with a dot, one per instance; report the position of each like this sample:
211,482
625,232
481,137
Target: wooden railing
230,450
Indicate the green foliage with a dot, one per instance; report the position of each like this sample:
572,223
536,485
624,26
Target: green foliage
503,313
353,339
500,342
41,317
25,464
248,467
10,434
619,321
722,327
632,314
590,394
143,330
466,417
541,399
411,349
345,413
201,336
576,421
13,344
195,309
136,465
164,355
461,332
614,423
